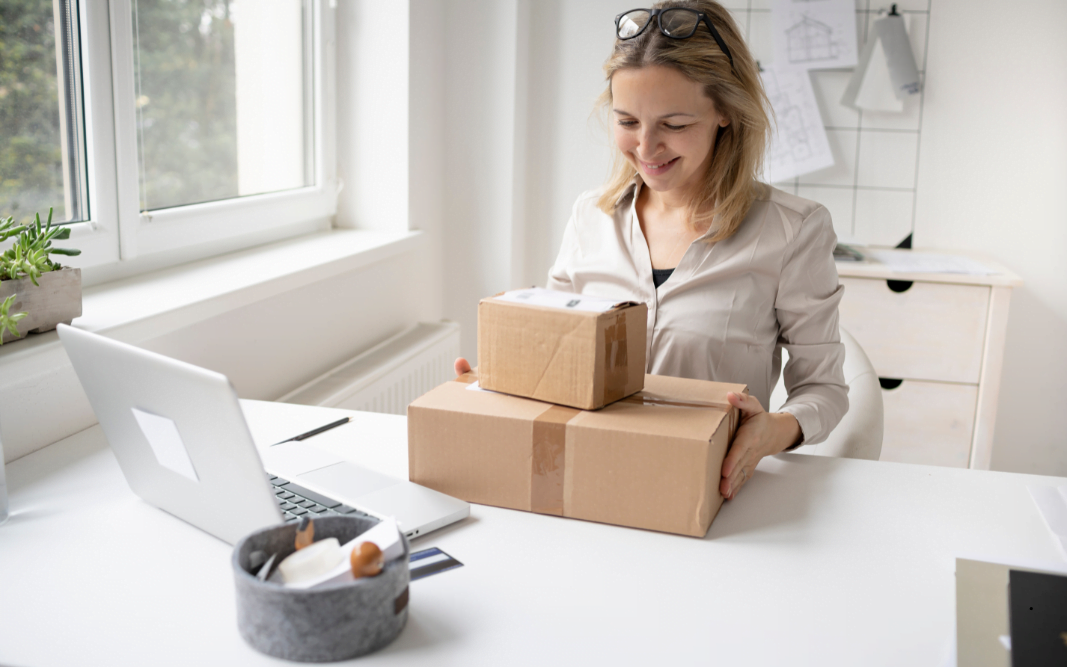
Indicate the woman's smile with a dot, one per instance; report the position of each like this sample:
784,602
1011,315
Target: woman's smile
657,168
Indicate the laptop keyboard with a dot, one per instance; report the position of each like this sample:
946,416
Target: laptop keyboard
295,501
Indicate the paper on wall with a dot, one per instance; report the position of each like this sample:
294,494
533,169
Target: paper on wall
814,34
798,139
886,74
871,87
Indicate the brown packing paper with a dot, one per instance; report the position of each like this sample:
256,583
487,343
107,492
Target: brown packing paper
653,464
580,359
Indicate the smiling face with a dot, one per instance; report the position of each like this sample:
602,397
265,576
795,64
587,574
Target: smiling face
665,126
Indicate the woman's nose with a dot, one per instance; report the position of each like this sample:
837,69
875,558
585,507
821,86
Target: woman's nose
648,141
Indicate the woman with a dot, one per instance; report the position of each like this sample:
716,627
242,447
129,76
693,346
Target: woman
732,270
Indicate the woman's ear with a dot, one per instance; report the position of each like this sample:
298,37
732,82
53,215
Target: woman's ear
723,122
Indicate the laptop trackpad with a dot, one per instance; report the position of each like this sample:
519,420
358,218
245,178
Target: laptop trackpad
345,480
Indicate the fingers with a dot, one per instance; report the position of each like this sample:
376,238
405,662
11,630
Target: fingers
462,366
738,458
740,472
748,404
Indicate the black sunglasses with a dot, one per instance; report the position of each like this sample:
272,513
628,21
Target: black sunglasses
674,22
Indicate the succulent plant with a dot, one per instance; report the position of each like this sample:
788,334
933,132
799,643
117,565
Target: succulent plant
28,255
8,321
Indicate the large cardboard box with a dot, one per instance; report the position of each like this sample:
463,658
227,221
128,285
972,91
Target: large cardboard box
652,460
562,348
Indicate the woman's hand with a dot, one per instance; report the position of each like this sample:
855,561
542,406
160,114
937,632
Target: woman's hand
462,366
760,434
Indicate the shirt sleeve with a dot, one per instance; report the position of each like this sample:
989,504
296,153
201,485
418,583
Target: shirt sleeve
559,276
806,305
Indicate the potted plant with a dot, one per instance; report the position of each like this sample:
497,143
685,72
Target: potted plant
36,293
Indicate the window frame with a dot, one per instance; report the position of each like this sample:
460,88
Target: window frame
117,232
97,237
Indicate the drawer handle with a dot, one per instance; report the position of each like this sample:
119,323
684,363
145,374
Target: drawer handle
890,383
899,286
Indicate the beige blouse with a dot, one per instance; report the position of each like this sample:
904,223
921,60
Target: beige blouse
730,307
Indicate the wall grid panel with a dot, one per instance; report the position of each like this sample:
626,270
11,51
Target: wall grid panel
870,191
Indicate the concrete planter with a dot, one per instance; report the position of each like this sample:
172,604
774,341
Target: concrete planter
57,298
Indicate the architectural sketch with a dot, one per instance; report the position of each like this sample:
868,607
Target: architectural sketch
799,144
809,40
814,34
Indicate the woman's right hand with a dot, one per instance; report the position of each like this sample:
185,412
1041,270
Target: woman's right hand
462,366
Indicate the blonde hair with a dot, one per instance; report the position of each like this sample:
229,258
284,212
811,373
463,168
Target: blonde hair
731,182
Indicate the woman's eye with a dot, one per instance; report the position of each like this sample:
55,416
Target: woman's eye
674,127
627,123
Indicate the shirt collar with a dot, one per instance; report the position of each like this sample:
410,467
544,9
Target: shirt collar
633,189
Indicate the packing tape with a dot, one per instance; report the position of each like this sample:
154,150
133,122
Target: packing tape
616,362
547,455
645,398
548,462
469,377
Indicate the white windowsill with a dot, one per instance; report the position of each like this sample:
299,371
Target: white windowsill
154,304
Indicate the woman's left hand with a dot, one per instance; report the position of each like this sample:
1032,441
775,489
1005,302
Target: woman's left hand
760,434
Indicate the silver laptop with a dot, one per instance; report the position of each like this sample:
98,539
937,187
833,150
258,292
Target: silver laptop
182,442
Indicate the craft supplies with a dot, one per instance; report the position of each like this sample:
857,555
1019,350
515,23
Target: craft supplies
312,561
366,560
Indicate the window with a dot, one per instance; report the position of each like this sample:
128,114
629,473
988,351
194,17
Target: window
163,129
221,101
42,144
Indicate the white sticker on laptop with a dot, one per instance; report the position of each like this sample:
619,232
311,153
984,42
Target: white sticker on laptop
538,296
162,435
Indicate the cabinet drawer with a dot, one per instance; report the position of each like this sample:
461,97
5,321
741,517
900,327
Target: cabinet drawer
932,331
929,423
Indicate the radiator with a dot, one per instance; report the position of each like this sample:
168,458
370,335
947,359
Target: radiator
388,376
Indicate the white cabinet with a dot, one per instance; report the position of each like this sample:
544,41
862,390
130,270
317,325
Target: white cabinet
937,343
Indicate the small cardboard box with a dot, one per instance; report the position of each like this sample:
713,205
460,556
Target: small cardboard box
561,348
652,460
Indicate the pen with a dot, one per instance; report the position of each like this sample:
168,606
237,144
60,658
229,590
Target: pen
321,429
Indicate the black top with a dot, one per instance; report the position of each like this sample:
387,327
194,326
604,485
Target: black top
659,276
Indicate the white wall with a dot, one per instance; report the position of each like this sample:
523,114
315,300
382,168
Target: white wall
483,226
993,179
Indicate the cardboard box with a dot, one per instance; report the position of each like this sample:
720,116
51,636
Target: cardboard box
561,348
652,460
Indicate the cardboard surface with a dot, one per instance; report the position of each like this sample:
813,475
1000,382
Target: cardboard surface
578,358
650,461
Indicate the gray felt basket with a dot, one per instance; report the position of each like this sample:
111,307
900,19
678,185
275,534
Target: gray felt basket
323,624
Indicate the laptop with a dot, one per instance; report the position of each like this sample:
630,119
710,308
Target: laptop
182,442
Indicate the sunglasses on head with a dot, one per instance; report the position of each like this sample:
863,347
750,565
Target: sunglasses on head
674,22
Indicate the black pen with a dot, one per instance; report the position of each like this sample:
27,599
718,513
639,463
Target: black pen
321,429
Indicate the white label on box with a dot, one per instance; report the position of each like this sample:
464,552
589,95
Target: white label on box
538,296
162,435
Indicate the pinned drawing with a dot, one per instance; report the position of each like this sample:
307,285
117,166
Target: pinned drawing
814,34
809,40
798,144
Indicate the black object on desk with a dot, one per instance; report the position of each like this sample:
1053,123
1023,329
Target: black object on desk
1037,603
316,431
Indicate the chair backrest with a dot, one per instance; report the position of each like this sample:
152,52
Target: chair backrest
859,435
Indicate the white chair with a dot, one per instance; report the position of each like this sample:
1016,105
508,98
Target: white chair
859,435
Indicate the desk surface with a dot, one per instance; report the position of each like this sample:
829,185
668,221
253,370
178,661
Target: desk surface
818,561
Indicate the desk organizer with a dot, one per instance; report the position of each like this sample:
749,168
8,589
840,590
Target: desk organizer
326,623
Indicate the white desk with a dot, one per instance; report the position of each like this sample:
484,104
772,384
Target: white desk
818,561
